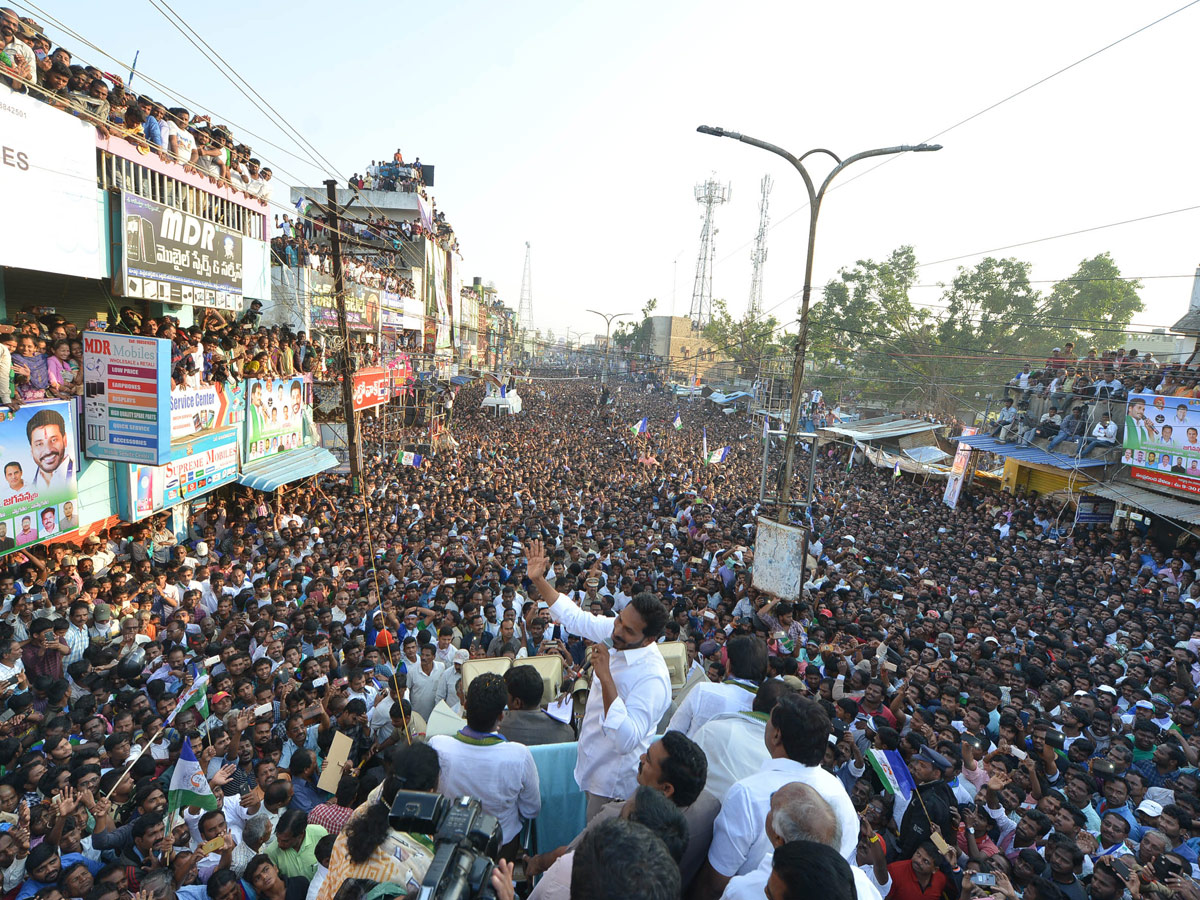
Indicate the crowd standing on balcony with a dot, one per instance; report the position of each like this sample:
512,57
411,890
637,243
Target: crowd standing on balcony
30,63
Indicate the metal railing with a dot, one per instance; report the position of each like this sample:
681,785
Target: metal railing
115,173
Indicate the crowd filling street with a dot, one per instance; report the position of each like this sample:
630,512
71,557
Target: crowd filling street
1036,680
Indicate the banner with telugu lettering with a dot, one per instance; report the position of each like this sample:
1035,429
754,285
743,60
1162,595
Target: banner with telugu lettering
39,494
275,414
1162,440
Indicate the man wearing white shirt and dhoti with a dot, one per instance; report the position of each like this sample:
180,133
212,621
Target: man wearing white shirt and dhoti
630,689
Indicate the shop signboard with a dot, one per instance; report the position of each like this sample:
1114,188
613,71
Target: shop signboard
197,466
127,398
171,256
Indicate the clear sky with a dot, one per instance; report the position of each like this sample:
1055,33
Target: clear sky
572,126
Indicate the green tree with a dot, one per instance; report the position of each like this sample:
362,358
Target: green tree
747,341
1092,306
637,337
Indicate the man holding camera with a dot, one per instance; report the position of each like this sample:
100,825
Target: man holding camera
630,689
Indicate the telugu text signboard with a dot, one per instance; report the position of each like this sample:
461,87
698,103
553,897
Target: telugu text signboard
362,304
371,387
174,257
1162,440
197,467
127,398
275,414
39,496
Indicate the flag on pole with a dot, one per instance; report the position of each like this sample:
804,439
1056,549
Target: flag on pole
677,422
196,696
640,427
766,425
188,787
896,469
704,451
408,458
889,765
717,456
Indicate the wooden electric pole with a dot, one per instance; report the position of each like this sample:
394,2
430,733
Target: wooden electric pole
353,448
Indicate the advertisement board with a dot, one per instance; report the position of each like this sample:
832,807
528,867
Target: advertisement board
275,414
49,176
403,375
958,470
197,466
39,495
371,387
127,398
210,407
362,304
1091,510
171,256
1162,441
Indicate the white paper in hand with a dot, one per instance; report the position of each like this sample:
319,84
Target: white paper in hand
561,710
443,720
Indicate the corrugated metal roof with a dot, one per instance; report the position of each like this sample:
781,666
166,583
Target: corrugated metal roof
927,454
864,431
284,468
1026,453
1153,502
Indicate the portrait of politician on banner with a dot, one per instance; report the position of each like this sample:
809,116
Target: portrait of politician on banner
39,494
1162,440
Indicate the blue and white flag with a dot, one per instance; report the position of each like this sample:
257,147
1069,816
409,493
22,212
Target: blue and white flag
892,770
677,422
640,427
717,456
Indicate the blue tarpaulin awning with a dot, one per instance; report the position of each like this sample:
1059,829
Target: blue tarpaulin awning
1026,453
283,468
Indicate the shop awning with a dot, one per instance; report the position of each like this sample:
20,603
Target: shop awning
1026,453
284,468
1175,508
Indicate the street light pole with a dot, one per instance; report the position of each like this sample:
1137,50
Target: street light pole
815,196
608,320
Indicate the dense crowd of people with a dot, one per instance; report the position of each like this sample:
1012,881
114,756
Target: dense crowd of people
1038,682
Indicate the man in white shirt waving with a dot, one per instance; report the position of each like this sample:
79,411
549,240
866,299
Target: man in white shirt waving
630,689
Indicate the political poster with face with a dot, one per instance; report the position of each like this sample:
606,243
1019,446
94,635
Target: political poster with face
1162,440
39,495
275,414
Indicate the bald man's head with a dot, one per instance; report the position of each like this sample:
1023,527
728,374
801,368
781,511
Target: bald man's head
799,813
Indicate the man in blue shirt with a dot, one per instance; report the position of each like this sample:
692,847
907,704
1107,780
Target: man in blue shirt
305,794
152,128
44,865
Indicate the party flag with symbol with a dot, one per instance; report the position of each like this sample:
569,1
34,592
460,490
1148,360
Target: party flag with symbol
189,787
704,446
896,469
717,456
196,696
893,772
677,422
640,427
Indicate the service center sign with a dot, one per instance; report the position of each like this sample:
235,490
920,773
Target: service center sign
372,387
174,257
127,398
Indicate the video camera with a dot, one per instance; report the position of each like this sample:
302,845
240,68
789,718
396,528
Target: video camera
466,843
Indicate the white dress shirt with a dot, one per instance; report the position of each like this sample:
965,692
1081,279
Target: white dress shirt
502,775
735,744
706,700
739,834
611,743
752,885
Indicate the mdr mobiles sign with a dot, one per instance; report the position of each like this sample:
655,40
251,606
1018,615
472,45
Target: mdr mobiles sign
127,398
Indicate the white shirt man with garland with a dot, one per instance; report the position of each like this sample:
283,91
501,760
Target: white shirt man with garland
630,689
